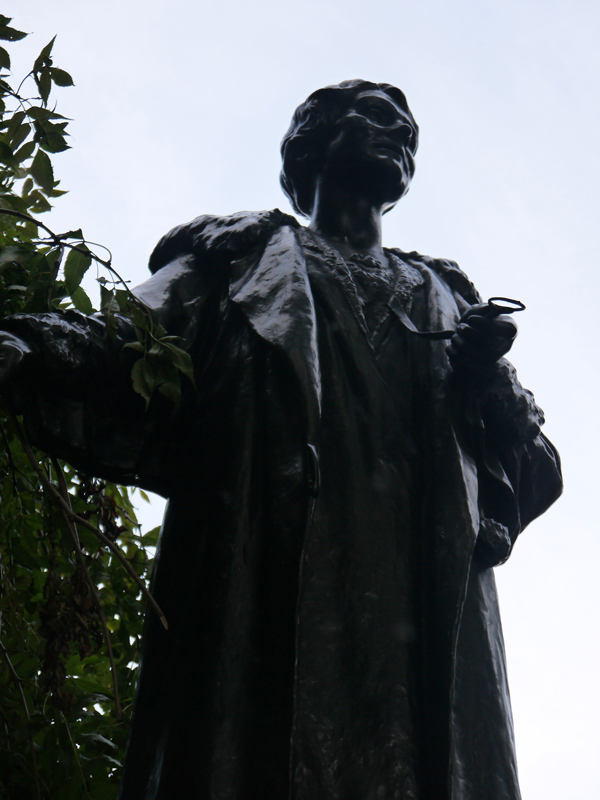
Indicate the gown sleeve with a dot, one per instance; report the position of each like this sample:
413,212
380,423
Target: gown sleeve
74,387
518,468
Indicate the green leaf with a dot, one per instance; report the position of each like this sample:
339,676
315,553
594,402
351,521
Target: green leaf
111,323
81,301
181,360
44,84
137,346
60,77
14,254
122,298
24,152
41,171
140,381
17,119
76,265
6,153
53,142
39,113
36,523
44,59
151,538
171,390
10,34
19,136
4,59
108,304
97,738
38,203
73,234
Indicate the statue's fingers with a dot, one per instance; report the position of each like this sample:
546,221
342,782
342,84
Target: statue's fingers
475,347
502,326
479,310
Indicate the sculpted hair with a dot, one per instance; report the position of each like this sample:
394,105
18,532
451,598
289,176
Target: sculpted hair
304,146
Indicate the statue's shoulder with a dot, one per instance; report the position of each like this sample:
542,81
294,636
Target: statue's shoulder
219,240
447,270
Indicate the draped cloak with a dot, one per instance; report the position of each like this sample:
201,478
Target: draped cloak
337,500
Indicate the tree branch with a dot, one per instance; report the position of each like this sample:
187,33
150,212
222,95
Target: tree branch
28,218
81,521
90,582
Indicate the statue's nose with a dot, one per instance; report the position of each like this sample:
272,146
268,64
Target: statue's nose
401,132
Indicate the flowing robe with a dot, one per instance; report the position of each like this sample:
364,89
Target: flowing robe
336,503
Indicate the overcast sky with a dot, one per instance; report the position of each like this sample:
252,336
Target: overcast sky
179,109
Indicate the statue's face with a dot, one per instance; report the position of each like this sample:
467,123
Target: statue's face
371,148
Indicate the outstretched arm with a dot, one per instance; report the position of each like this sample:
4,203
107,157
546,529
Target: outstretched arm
71,380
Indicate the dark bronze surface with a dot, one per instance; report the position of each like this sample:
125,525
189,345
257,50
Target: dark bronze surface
339,488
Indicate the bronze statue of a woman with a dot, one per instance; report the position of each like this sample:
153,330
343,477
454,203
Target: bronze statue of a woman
339,488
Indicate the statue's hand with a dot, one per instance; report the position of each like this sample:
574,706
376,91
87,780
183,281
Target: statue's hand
13,352
480,340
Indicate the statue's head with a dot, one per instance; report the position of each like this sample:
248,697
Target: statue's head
316,127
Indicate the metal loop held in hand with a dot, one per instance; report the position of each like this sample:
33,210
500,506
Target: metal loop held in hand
494,307
504,305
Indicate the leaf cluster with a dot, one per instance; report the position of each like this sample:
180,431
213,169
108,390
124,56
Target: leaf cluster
73,561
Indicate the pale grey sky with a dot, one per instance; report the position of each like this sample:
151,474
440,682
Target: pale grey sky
178,110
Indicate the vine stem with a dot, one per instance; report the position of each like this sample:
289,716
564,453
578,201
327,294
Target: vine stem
81,521
58,239
54,276
11,462
76,754
90,582
17,681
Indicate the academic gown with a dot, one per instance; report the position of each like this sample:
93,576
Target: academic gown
337,499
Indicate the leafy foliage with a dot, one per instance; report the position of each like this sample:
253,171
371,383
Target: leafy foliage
73,561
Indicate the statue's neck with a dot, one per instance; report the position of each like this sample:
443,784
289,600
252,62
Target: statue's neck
346,220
